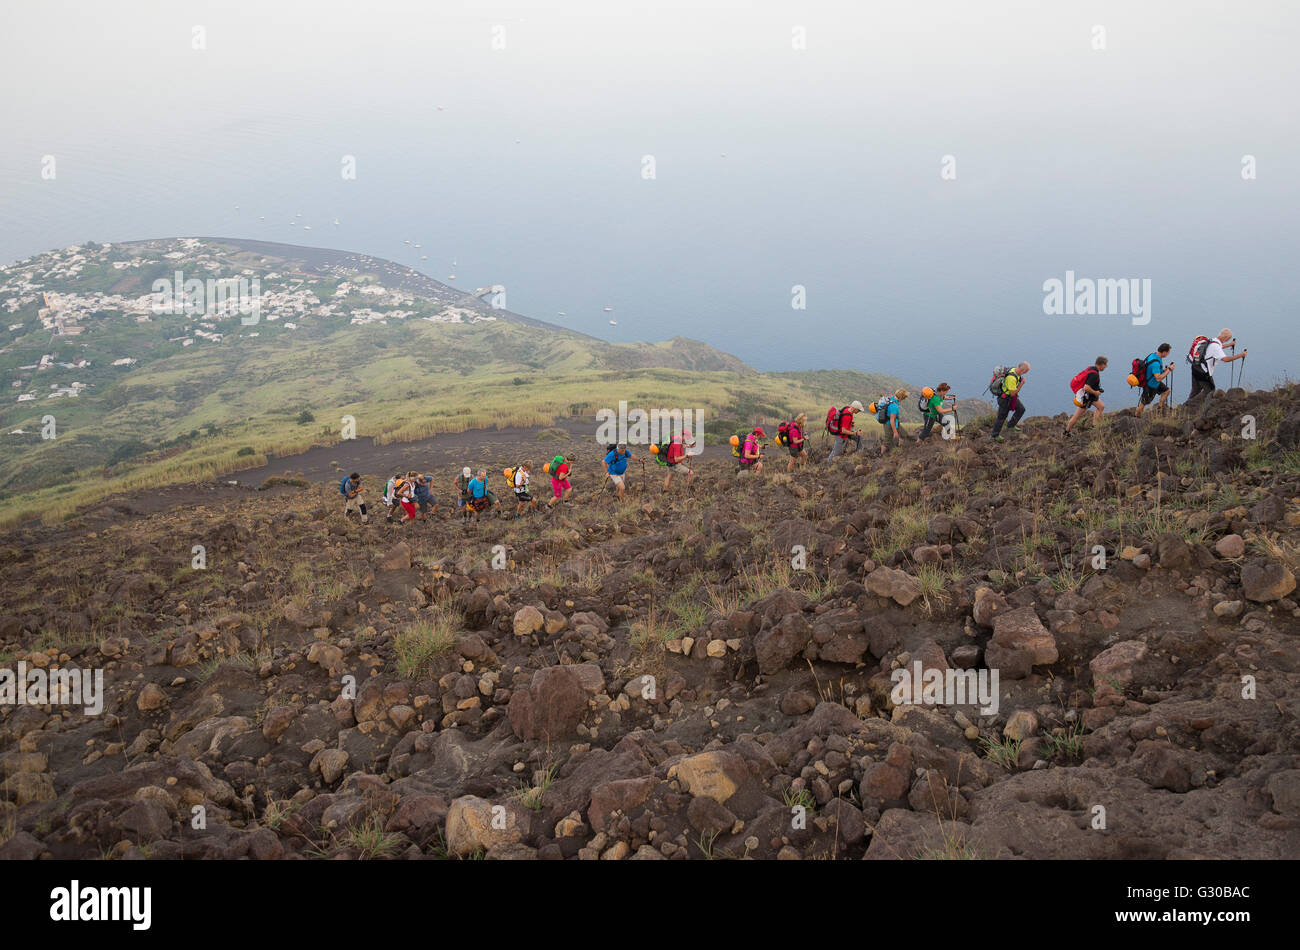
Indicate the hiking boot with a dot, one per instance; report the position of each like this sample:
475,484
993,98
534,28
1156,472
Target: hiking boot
998,438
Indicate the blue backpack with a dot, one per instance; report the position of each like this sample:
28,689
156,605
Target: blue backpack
343,485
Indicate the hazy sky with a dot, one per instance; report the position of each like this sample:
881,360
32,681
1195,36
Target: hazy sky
1122,162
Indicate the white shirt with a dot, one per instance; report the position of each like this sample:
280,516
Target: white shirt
1213,353
521,481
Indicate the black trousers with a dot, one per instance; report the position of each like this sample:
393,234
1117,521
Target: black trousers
1005,405
1202,382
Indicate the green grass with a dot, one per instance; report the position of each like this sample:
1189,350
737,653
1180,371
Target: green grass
1003,752
426,638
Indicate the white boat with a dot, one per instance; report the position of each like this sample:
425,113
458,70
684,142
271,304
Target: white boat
336,222
417,245
298,215
613,323
563,314
407,241
609,309
306,227
451,276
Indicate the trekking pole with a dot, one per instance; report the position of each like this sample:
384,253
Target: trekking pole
1232,370
1241,380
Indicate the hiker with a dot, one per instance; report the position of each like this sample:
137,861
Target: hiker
674,455
404,495
462,486
350,488
559,468
390,496
424,496
839,423
1006,386
932,408
520,478
1207,354
1152,379
887,412
616,467
1087,390
790,434
480,499
751,452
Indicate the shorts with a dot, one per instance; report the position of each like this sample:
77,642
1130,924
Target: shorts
795,450
675,466
558,487
1148,395
616,479
478,504
745,463
425,503
522,496
353,504
462,501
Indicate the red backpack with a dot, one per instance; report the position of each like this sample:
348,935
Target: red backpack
1196,355
833,420
1077,383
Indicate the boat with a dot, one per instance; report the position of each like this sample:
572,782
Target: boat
613,323
306,227
609,309
336,222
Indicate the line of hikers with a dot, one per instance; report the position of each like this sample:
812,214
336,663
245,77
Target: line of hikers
413,495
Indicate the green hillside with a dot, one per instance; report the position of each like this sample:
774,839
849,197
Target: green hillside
184,412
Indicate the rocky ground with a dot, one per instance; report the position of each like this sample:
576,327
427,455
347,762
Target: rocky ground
668,678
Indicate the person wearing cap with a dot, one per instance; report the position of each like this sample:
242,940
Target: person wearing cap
1009,404
846,429
890,426
678,448
751,453
480,499
462,486
616,466
934,407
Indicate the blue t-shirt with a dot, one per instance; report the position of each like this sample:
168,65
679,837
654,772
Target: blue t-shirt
478,488
892,409
617,463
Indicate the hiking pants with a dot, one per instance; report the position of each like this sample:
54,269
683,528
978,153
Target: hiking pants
929,424
1005,405
840,440
1202,382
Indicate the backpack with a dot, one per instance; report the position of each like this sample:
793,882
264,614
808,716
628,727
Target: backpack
1196,355
1139,372
783,434
882,409
833,417
922,405
737,441
660,452
1000,374
1079,379
675,450
509,474
343,485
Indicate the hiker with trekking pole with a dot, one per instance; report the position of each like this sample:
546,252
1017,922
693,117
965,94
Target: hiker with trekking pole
932,408
1205,355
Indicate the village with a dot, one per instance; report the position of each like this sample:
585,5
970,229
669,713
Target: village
188,305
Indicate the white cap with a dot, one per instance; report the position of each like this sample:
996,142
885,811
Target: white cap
466,472
855,405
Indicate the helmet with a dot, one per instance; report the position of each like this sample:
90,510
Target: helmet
654,450
1078,401
927,392
735,440
1132,380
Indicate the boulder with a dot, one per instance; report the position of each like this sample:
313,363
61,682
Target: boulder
716,774
1115,665
551,708
1267,581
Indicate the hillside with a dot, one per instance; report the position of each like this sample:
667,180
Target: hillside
147,398
660,679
